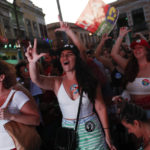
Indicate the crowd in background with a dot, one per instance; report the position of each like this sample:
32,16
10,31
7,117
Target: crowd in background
123,72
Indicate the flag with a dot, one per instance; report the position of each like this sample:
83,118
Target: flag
98,17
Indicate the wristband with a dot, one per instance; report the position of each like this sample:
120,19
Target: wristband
120,36
106,128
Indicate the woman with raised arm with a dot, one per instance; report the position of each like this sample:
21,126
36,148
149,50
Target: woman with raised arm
107,62
67,88
134,118
65,28
92,63
136,69
20,109
115,71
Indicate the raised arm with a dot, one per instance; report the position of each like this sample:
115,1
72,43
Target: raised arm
44,82
122,62
64,27
105,61
101,44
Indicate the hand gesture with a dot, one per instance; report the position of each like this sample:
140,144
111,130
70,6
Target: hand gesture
110,145
123,31
31,53
105,37
63,26
117,99
4,114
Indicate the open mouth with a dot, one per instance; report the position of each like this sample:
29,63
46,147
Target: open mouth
66,62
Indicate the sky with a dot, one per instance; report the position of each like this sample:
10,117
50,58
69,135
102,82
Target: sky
70,9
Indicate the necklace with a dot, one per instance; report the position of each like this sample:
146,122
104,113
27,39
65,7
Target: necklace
74,88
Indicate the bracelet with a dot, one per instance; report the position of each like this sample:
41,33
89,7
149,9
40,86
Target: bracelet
120,36
105,128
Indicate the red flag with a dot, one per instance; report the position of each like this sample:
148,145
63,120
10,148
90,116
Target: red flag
98,17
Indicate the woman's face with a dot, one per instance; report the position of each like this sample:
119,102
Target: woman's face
67,60
24,72
132,128
139,51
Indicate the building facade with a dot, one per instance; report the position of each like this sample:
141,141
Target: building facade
135,14
22,20
34,21
58,38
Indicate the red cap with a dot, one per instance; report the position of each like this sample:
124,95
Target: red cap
140,42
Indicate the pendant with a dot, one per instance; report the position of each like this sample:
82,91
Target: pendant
74,89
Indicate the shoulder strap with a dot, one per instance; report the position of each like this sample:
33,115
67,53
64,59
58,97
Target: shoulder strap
10,99
79,107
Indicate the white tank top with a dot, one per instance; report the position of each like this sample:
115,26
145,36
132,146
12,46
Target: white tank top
140,86
69,107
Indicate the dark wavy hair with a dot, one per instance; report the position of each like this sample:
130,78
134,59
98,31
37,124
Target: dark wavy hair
10,74
132,68
130,112
85,77
18,66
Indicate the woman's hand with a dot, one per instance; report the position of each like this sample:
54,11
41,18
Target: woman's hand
31,53
123,31
117,99
63,26
109,143
4,114
105,37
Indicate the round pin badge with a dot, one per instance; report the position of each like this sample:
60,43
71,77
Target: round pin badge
89,126
118,75
145,82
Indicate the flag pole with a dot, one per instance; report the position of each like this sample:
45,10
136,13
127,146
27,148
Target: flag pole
59,10
61,18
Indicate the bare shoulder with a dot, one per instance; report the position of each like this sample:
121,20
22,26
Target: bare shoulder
57,82
48,82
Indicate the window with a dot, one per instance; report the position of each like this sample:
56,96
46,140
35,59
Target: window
28,23
138,16
139,20
35,29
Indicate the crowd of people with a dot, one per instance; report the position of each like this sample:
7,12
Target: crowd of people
114,78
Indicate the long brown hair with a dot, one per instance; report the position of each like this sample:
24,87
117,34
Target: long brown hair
132,68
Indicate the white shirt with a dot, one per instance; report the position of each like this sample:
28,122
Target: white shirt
69,107
19,99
